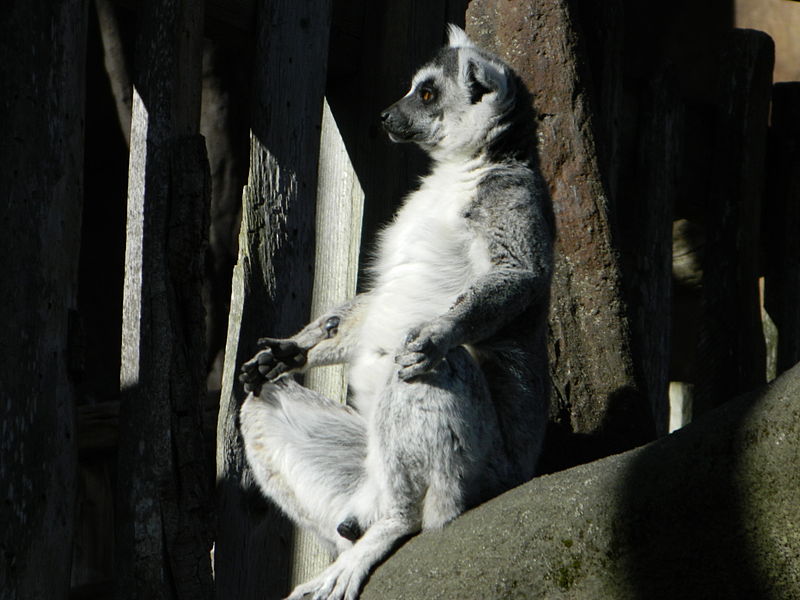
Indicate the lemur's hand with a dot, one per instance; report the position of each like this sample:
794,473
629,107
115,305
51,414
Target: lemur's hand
277,358
424,348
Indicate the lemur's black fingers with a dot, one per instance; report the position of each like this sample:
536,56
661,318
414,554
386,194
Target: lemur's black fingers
248,375
267,342
299,359
276,371
279,348
252,388
265,357
265,370
249,365
252,385
409,373
251,380
415,368
407,359
249,372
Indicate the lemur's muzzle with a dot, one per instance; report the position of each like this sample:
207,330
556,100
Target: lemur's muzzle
397,124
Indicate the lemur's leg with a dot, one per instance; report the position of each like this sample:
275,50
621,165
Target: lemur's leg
439,430
519,389
329,339
307,454
430,447
471,464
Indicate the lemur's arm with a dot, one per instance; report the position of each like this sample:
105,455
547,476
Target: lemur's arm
511,217
327,340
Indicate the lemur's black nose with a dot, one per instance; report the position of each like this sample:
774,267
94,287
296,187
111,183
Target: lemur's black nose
384,115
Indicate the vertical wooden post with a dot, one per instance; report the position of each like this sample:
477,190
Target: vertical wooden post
340,204
42,67
639,130
733,346
163,533
114,60
598,401
603,26
396,39
782,215
644,222
273,278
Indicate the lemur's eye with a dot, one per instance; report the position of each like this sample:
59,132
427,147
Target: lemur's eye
426,94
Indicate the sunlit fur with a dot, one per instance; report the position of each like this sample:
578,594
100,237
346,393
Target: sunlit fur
426,260
446,347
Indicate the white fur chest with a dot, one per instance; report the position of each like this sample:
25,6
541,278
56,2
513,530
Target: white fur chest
426,258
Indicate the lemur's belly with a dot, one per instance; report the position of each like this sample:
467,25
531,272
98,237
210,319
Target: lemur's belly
420,271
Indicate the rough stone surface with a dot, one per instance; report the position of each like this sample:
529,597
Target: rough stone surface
599,405
708,512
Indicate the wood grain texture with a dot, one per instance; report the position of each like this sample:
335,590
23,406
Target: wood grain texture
782,215
273,279
732,347
340,204
164,515
42,101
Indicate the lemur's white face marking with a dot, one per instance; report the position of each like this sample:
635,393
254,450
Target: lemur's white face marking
454,102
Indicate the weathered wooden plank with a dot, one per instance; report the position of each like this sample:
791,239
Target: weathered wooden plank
644,221
393,40
732,348
98,427
163,533
273,278
42,99
782,223
115,64
639,127
231,20
598,401
340,203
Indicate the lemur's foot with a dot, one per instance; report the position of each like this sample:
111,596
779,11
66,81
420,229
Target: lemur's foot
350,529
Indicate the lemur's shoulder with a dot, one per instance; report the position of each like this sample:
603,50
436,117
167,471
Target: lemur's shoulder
510,186
511,210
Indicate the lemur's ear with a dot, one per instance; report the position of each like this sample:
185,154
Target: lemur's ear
457,37
484,77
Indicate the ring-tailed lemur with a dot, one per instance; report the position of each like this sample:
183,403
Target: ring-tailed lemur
446,349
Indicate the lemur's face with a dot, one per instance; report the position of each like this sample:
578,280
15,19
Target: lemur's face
417,116
454,100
